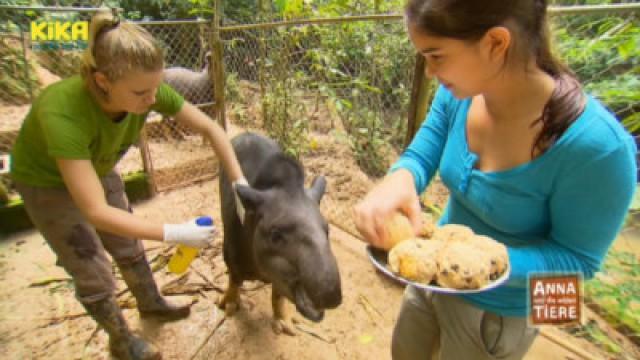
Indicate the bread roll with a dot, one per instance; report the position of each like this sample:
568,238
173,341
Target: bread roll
398,229
452,232
415,259
427,227
461,266
497,253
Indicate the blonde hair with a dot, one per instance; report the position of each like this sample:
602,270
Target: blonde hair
116,48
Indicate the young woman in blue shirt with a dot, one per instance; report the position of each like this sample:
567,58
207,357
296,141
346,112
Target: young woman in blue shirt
529,159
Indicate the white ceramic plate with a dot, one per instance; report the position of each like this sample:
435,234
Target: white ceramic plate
379,259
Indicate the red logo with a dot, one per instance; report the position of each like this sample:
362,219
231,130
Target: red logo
555,299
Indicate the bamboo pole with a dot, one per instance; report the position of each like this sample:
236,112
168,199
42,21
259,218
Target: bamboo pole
594,9
53,8
272,25
172,22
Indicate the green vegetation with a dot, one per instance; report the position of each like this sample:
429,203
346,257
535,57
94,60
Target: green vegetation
615,291
615,295
592,332
17,79
604,51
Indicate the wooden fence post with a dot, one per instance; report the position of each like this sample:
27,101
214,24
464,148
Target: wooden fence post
420,97
147,163
218,65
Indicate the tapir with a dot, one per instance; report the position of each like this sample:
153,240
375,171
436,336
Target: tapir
283,239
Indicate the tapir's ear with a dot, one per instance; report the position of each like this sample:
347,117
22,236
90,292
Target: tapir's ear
316,191
250,197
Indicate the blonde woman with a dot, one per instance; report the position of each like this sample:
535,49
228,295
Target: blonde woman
63,167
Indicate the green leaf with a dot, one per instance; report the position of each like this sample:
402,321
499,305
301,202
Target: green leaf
342,103
626,48
281,5
632,122
293,8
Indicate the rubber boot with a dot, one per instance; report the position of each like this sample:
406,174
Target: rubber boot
122,343
139,279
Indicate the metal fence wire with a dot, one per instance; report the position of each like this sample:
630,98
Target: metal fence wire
175,156
339,77
349,78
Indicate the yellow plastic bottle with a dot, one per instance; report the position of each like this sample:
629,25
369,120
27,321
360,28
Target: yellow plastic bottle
184,255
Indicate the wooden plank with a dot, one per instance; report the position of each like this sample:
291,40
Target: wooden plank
186,173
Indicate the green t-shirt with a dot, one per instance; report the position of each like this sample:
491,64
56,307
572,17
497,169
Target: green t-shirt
66,122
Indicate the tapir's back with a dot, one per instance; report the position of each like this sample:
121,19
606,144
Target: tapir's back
252,151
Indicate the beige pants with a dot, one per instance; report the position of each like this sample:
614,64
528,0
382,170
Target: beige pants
431,325
80,248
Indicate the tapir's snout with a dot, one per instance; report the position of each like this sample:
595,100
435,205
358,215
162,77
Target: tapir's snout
313,302
331,296
322,283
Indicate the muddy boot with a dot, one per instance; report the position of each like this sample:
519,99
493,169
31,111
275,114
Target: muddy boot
122,343
139,279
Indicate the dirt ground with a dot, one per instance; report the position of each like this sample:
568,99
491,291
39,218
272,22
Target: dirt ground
359,329
46,321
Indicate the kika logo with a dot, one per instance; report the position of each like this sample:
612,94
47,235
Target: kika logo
59,35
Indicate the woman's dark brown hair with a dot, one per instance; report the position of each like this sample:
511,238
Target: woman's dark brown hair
469,20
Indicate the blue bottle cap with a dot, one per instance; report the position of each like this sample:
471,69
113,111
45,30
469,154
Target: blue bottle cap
204,221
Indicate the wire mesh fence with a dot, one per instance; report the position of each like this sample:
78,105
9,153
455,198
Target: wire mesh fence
348,81
177,156
604,51
336,76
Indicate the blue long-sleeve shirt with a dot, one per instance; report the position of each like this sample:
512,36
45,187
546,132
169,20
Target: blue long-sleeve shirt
557,213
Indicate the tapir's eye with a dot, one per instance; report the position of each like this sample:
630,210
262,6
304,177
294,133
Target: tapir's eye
277,237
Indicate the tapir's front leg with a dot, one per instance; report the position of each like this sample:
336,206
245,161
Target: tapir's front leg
230,301
282,320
